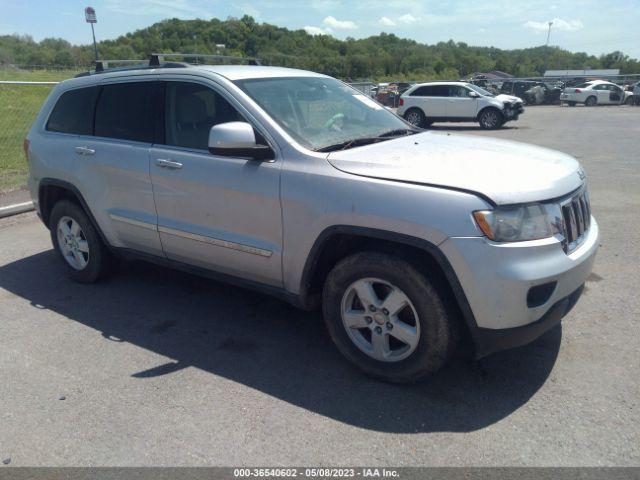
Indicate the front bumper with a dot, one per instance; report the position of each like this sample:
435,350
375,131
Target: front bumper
497,280
513,111
488,340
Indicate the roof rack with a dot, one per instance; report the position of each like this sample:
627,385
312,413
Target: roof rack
157,58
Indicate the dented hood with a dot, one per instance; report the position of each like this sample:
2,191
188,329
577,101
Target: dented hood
506,172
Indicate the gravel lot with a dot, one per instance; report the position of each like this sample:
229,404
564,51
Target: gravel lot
155,367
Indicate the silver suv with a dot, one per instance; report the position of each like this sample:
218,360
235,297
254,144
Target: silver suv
294,183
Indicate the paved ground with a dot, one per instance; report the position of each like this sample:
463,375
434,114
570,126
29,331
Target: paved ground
156,367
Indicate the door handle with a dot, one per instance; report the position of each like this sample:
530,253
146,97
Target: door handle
84,151
170,164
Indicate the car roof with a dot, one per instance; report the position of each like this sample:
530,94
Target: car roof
230,72
440,83
243,72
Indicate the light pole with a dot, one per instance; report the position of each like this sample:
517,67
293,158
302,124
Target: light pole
548,34
90,17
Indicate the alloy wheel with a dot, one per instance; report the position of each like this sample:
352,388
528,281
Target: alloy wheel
414,118
73,243
380,319
490,119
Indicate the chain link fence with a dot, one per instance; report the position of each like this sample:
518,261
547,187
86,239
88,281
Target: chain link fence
19,105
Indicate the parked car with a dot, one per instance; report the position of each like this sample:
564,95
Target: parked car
389,94
532,92
596,92
636,94
426,103
295,184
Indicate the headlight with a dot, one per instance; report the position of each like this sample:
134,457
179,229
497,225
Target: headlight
520,223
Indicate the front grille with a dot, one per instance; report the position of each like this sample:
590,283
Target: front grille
576,214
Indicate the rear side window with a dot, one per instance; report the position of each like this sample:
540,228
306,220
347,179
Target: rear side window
123,112
431,91
73,112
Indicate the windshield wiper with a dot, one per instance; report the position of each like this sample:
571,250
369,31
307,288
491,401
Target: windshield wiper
355,142
399,132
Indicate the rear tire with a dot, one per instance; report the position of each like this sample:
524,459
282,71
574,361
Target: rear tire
491,119
401,329
416,117
590,101
78,243
629,101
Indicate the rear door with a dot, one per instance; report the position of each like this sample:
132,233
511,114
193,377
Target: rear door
460,104
110,161
602,93
432,99
214,212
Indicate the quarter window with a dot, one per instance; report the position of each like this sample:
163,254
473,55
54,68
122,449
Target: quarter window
123,112
73,112
191,110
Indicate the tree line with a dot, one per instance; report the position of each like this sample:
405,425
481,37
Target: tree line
379,57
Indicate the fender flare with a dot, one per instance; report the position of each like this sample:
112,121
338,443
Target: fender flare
45,182
373,233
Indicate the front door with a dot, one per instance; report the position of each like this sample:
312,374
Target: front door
616,94
460,104
220,213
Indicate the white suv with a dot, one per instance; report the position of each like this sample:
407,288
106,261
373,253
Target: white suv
426,103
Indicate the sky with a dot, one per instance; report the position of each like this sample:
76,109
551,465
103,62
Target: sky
591,26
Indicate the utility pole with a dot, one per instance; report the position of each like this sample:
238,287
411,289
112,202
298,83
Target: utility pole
548,34
90,17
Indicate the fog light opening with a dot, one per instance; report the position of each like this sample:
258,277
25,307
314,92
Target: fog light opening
540,294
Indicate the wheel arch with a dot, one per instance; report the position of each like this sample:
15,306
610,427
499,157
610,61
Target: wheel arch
339,241
52,190
414,107
590,95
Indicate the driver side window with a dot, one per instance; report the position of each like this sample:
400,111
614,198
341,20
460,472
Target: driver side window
191,109
458,91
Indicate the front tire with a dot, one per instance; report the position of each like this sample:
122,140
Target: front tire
572,104
77,242
491,119
387,318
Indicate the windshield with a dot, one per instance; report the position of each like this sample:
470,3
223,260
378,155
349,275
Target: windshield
321,112
480,90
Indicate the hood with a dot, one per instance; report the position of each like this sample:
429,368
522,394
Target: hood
507,172
507,98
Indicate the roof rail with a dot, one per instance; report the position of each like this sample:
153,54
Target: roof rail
102,65
157,58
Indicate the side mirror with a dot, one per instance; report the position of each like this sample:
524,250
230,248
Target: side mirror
237,139
473,94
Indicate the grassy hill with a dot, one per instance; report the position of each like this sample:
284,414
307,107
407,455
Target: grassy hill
380,57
